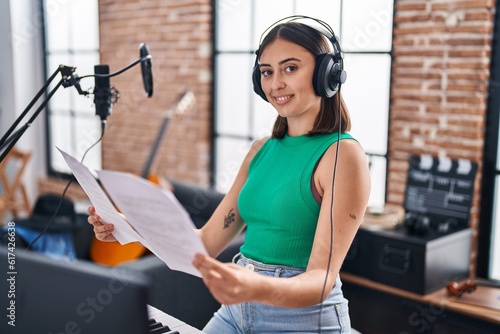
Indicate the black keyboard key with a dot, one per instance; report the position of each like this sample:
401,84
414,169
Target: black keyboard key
159,330
155,325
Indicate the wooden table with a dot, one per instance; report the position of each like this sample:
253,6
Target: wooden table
480,308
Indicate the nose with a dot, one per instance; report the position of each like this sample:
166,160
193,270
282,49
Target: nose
278,81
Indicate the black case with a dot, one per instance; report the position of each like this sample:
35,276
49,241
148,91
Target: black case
418,264
422,257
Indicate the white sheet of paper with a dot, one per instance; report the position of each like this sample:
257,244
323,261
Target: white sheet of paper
123,232
157,216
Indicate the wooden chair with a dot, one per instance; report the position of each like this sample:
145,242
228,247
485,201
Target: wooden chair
13,196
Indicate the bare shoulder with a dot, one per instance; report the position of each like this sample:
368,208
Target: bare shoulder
349,151
352,162
256,146
243,171
352,150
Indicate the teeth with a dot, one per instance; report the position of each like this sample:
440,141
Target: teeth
282,98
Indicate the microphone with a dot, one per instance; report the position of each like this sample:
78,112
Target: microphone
147,73
102,92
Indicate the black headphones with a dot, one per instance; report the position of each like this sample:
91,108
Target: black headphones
329,72
421,224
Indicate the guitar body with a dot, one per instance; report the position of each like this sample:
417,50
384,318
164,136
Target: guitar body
114,253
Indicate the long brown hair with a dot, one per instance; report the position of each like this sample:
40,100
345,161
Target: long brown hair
309,38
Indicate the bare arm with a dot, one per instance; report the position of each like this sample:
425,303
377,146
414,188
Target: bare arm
226,223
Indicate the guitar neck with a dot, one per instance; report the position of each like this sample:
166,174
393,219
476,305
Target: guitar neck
183,102
149,163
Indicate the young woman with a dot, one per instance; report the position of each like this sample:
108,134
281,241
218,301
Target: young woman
301,194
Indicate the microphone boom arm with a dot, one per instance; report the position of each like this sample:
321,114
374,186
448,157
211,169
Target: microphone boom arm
9,139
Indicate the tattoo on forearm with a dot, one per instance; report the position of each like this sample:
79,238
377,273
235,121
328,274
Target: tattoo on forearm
353,216
229,218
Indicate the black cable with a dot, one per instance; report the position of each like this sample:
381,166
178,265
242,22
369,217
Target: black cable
117,72
103,128
331,211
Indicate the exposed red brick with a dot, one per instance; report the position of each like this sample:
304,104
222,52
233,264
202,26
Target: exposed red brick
408,6
466,4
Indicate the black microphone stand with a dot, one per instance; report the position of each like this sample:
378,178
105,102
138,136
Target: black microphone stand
69,78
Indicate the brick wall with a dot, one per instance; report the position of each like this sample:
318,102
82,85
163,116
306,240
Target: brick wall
178,34
440,75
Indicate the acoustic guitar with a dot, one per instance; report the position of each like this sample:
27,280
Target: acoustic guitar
113,253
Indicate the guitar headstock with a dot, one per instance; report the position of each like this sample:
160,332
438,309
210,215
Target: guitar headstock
183,102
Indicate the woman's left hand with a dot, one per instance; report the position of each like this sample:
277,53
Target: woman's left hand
228,282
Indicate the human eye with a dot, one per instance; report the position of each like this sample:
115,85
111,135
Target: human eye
290,68
265,72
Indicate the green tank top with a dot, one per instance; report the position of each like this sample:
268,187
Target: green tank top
277,203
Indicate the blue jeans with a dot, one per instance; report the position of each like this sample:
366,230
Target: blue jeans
249,318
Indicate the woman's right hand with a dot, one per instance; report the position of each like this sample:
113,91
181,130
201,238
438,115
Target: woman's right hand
103,232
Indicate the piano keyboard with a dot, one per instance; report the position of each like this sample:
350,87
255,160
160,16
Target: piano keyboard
161,322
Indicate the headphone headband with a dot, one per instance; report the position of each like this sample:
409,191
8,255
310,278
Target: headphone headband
321,27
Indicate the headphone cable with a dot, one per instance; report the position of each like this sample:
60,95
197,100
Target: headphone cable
331,210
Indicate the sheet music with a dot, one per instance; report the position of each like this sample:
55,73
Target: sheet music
154,217
157,216
124,233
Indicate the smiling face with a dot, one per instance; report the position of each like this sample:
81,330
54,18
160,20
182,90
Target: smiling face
286,79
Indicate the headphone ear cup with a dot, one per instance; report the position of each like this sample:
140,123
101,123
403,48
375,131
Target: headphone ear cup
409,223
326,75
423,225
257,87
417,224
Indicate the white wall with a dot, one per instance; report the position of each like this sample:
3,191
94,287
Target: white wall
21,77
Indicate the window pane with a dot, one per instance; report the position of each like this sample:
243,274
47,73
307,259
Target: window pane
326,10
498,149
264,116
366,93
57,18
495,236
234,26
268,12
234,86
84,26
74,135
229,156
61,129
367,25
87,132
72,25
378,167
